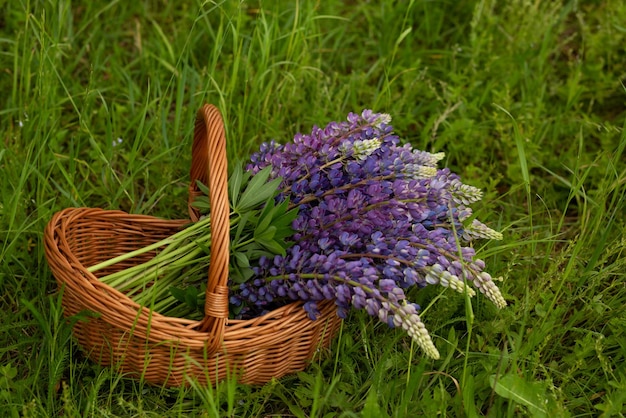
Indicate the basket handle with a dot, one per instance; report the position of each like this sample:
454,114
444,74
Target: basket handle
210,166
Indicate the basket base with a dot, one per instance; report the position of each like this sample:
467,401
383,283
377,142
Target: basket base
173,363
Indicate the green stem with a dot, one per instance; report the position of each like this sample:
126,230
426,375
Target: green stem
166,259
126,278
166,242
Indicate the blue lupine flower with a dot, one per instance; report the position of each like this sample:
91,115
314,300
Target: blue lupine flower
375,217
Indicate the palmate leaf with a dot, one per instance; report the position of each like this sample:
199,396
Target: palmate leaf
237,179
266,234
268,208
240,274
254,251
191,296
260,226
264,220
241,259
279,216
284,219
257,191
273,246
238,235
202,203
274,226
178,293
203,188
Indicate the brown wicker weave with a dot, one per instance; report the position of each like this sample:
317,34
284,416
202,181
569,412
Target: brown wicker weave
165,350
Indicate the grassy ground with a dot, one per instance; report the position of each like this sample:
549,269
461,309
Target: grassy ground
527,100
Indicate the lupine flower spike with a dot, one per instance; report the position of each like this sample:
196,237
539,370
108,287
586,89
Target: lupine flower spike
375,218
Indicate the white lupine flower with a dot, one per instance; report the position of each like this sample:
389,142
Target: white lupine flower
418,172
363,148
407,318
464,194
437,275
464,214
427,158
382,118
460,286
478,229
486,285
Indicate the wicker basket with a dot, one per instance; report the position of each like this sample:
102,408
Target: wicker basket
165,350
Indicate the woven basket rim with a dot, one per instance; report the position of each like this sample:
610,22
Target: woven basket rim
106,291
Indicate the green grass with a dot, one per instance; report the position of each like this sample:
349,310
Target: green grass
527,100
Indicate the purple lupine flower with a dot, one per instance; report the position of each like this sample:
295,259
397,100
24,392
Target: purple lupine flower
375,218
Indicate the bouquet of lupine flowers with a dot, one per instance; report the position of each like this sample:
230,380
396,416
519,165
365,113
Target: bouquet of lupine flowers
345,213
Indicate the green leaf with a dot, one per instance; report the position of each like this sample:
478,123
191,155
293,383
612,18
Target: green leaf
279,219
268,209
265,235
258,190
241,226
178,293
241,259
202,203
284,222
249,195
8,372
283,206
203,247
234,184
191,297
240,274
273,246
469,398
254,251
203,188
372,409
263,225
517,389
283,243
283,217
250,248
